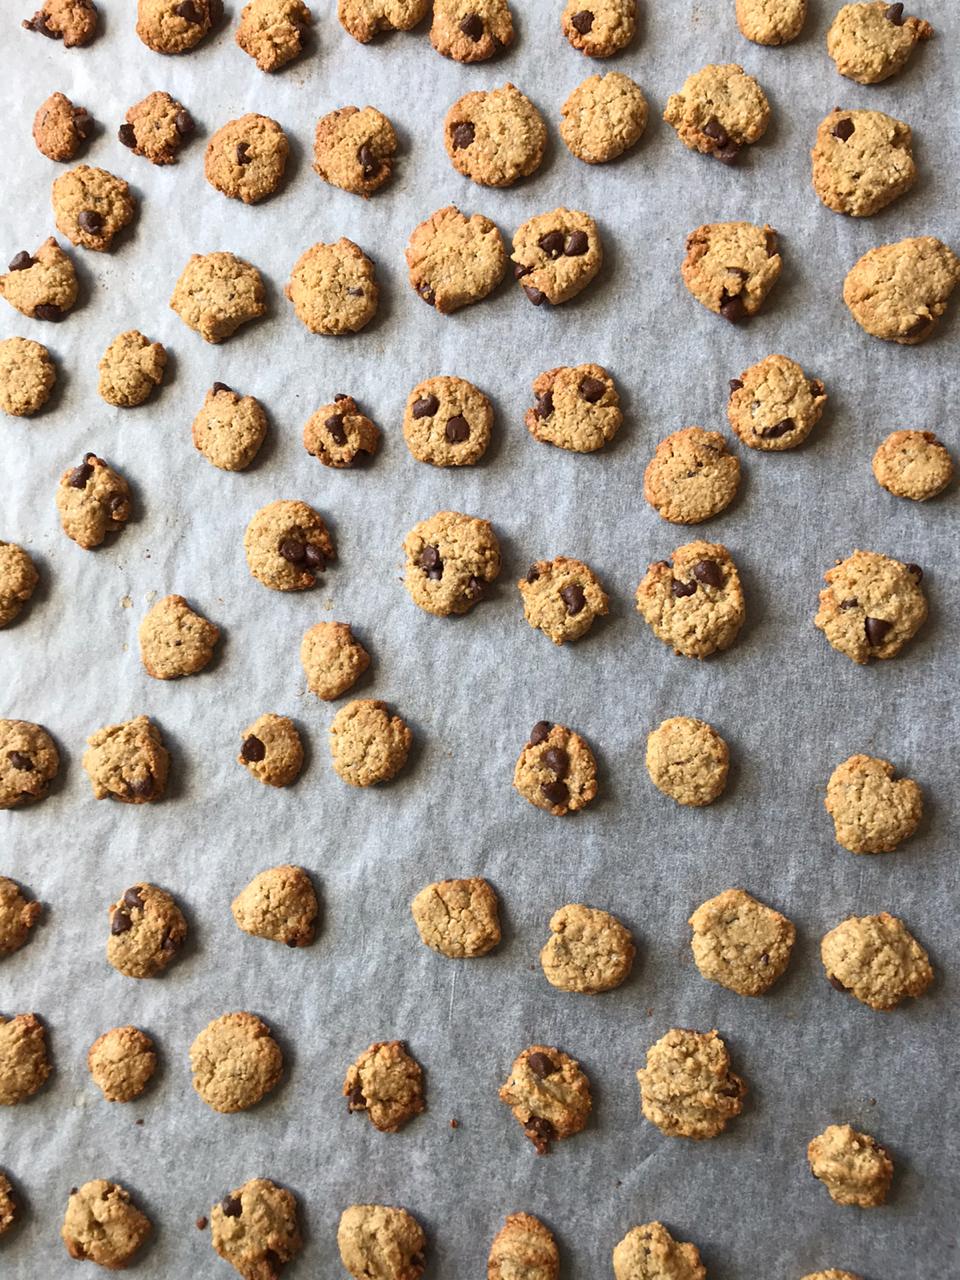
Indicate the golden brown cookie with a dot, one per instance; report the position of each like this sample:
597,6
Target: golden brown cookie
603,117
270,749
279,904
287,544
103,1225
235,1062
18,580
872,811
24,1062
217,293
339,435
912,464
773,405
387,1083
862,160
871,42
93,500
450,560
157,127
127,762
255,1228
447,422
8,1205
576,408
333,659
548,1094
692,476
230,428
91,206
471,30
523,1249
898,292
376,1241
599,28
176,26
495,137
354,149
27,376
719,111
29,761
367,744
364,19
687,1088
59,128
175,640
130,368
588,950
877,959
246,158
272,32
872,606
121,1063
458,918
853,1166
147,929
650,1252
687,760
694,604
72,21
562,597
556,770
730,267
556,255
18,915
42,285
455,260
333,288
740,942
771,22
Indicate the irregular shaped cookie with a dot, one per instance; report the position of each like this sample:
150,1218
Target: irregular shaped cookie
576,408
377,1242
93,500
24,1065
363,19
769,23
876,959
127,762
495,137
862,160
548,1094
339,435
773,405
103,1225
458,918
719,111
741,943
130,368
687,760
157,127
556,255
217,293
59,128
287,545
333,659
279,904
455,260
651,1253
832,1274
27,375
72,21
367,743
18,578
871,42
235,1062
561,598
175,640
872,605
603,117
230,428
692,476
354,149
333,288
872,812
696,604
29,761
450,559
176,26
8,1205
730,267
687,1088
147,929
898,292
18,915
246,158
122,1062
523,1249
447,422
255,1228
556,770
588,950
42,286
853,1167
91,206
271,750
471,30
272,32
602,29
386,1083
912,464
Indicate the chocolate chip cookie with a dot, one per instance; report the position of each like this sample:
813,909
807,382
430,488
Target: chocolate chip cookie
387,1083
339,435
354,150
872,810
588,950
60,128
121,1063
367,744
333,659
455,260
272,32
495,137
912,464
72,21
562,597
876,959
471,30
157,127
287,545
687,760
687,1088
458,918
18,580
376,1239
103,1225
270,749
246,158
42,285
853,1166
91,206
548,1094
692,476
603,117
29,761
217,293
872,606
447,422
18,915
599,28
127,762
93,500
741,943
130,368
719,111
862,160
279,904
230,428
649,1252
730,267
176,26
898,292
871,42
333,288
27,376
147,929
255,1228
576,408
24,1062
556,770
774,405
695,604
450,560
556,255
235,1062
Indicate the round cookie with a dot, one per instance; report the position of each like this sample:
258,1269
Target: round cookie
455,260
576,408
696,604
93,500
730,267
235,1061
692,476
367,744
556,770
271,750
650,1252
24,1064
287,545
602,28
147,929
272,32
561,598
719,111
27,375
354,149
8,1205
862,160
471,30
871,42
447,422
687,760
603,117
246,158
450,559
588,950
523,1249
771,24
556,255
898,292
279,904
363,19
59,128
339,435
217,293
377,1242
872,605
91,206
230,428
103,1225
876,959
127,762
495,137
18,579
773,405
333,288
333,659
130,368
741,943
872,811
176,26
18,915
156,128
72,21
912,464
687,1088
121,1063
42,286
255,1228
853,1167
175,640
548,1094
386,1083
29,761
458,918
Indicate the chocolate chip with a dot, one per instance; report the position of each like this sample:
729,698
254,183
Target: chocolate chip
876,629
777,430
849,604
457,430
681,589
127,135
582,21
20,761
556,759
732,308
556,792
425,407
90,221
715,130
540,732
243,153
544,405
183,123
355,293
540,1132
116,502
915,570
189,12
253,749
541,1065
474,588
535,296
201,1223
314,558
519,270
472,26
735,385
355,1099
843,129
273,1260
21,262
918,327
837,984
894,13
430,562
38,23
591,389
576,244
334,425
231,1206
773,245
463,134
143,787
220,386
552,243
573,597
120,922
133,897
533,573
47,311
80,475
427,293
729,155
292,550
368,161
709,573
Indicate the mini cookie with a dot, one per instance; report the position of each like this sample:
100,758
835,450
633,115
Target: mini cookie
556,255
386,1083
471,30
72,21
44,286
217,293
91,206
24,1065
898,292
696,604
18,578
575,408
333,288
235,1061
93,500
156,128
230,428
741,943
147,929
872,605
455,260
603,117
876,959
450,559
773,405
872,812
548,1094
771,24
692,476
175,640
495,137
862,160
651,1253
272,31
912,464
255,1229
287,545
561,598
59,128
871,42
556,770
121,1063
27,375
601,30
447,422
853,1167
176,26
687,760
730,267
719,110
523,1249
339,435
687,1088
29,761
333,659
103,1225
8,1205
368,744
18,915
363,19
354,149
271,750
588,950
458,918
279,904
127,762
377,1242
130,368
245,159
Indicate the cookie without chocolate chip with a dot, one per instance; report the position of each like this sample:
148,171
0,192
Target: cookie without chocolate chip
872,606
59,128
687,760
769,23
270,749
27,376
450,560
217,293
853,1166
495,137
8,1205
650,1252
556,770
147,929
91,206
730,267
898,292
18,915
376,1239
719,111
121,1063
548,1094
862,160
876,959
339,435
130,368
562,597
93,500
741,943
287,544
127,762
773,405
354,149
367,744
687,1088
279,904
235,1062
523,1249
256,1229
157,127
455,260
603,117
24,1062
333,288
599,28
333,659
18,580
576,408
447,422
912,464
387,1083
103,1225
695,604
556,255
692,476
230,428
29,761
43,285
872,811
175,640
588,950
272,31
871,42
363,19
458,918
471,30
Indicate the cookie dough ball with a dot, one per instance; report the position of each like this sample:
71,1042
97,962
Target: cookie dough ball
771,24
147,929
556,255
121,1063
386,1083
27,375
255,1228
272,31
130,368
687,760
471,30
602,29
876,959
687,1088
450,559
339,435
495,137
773,405
548,1094
176,26
287,544
898,292
271,750
279,904
695,604
588,950
603,117
8,1205
246,158
561,598
42,286
447,422
872,606
127,762
59,128
719,111
333,659
367,743
862,160
103,1225
853,1167
651,1253
24,1065
575,408
872,811
18,915
692,476
91,206
730,267
29,761
235,1062
871,42
175,640
556,770
455,260
156,128
93,500
741,943
458,918
18,579
72,21
377,1242
230,428
912,464
354,149
217,293
363,19
333,288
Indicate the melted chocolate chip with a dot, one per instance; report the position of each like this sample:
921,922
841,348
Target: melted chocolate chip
533,573
90,221
38,23
430,562
127,135
231,1206
681,589
80,475
709,573
472,26
777,430
457,430
427,293
541,1065
850,603
735,384
519,270
540,732
143,787
535,296
773,245
334,425
425,407
557,793
918,327
540,1132
732,308
47,311
837,984
843,129
876,630
556,759
253,749
591,389
292,550
915,570
582,22
729,155
463,134
474,588
576,244
573,597
894,13
552,243
544,405
220,386
21,262
314,558
368,161
183,123
19,761
715,130
189,12
355,1099
243,153
120,922
355,292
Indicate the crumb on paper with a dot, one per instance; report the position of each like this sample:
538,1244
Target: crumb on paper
201,1224
126,602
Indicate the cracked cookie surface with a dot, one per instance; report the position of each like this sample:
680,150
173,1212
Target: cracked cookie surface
872,606
29,761
18,581
771,22
24,1061
872,810
127,762
588,950
694,604
562,597
333,659
287,545
871,42
41,285
367,744
599,28
121,1063
741,943
495,137
649,1252
175,640
272,31
91,206
447,422
364,19
27,376
575,407
458,918
380,1242
719,111
773,405
230,428
130,368
60,128
235,1062
687,760
548,1094
333,288
157,127
386,1082
455,260
72,21
556,255
877,959
853,1166
862,160
280,904
246,158
471,30
603,117
450,560
523,1249
256,1229
912,464
687,1088
354,149
176,26
18,915
217,293
898,292
730,267
692,476
103,1225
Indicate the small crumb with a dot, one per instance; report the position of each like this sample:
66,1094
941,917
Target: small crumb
871,1102
126,602
619,1183
649,1013
201,1224
138,1121
454,1124
150,597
